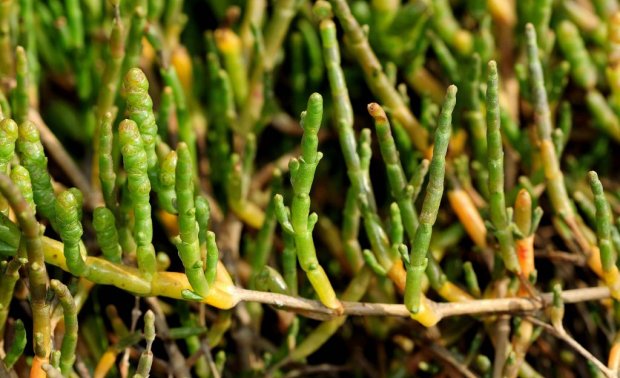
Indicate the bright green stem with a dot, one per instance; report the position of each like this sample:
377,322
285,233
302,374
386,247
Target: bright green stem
107,176
603,223
104,224
8,137
396,225
302,222
213,255
18,345
203,213
264,239
136,166
21,178
21,102
126,221
68,220
430,206
188,243
186,131
34,160
166,194
289,263
400,189
140,110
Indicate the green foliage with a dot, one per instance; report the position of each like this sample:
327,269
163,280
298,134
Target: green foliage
144,146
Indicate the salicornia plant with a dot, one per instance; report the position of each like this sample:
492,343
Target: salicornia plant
146,230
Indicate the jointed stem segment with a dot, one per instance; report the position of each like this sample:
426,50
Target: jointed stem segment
375,78
401,190
34,160
430,207
611,275
301,223
188,243
36,268
499,216
136,166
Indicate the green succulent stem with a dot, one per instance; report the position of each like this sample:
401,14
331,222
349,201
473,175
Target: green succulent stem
495,166
430,207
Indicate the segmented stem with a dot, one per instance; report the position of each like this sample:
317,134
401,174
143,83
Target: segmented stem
70,338
34,160
136,166
430,206
495,166
36,267
611,275
188,243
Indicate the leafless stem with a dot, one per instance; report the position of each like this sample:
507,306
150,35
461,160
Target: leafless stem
502,330
316,310
135,315
177,361
564,336
206,350
316,370
447,357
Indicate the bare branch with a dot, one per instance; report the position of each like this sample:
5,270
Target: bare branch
315,309
568,339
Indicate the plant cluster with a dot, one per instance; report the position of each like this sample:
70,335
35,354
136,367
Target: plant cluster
164,211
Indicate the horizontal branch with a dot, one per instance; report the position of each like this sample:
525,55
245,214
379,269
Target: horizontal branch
226,295
315,309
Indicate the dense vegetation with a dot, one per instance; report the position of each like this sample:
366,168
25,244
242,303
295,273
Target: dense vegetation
298,188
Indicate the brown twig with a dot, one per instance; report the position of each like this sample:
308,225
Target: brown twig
315,309
444,354
564,336
502,330
176,358
317,370
206,351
